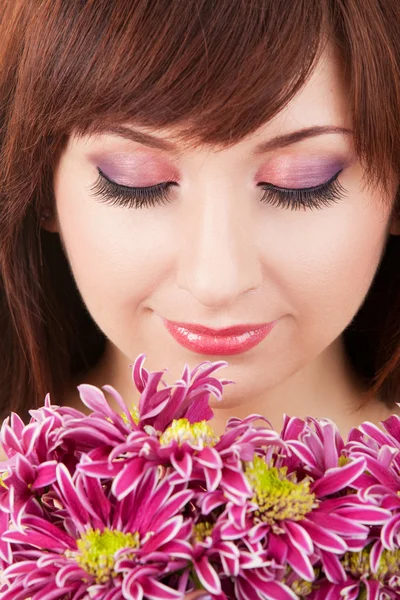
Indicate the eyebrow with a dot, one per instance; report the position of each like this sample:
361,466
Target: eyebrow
276,142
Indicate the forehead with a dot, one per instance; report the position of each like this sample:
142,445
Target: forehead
324,97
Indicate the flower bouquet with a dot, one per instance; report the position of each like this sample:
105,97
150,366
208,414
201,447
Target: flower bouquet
148,503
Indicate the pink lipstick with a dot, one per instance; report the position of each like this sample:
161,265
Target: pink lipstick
231,340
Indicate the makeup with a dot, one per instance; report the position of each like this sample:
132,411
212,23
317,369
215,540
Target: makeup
224,342
299,172
136,169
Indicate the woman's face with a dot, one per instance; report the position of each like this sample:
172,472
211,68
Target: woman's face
228,243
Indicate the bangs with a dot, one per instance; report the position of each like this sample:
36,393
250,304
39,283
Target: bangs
216,70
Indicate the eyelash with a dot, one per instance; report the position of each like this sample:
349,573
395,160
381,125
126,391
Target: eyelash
317,197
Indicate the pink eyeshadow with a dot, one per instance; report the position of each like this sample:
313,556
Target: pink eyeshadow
135,170
299,172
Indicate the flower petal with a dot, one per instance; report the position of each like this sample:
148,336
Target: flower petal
207,575
338,478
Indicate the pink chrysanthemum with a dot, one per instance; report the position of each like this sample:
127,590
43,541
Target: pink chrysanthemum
97,545
372,573
302,520
381,481
170,428
148,502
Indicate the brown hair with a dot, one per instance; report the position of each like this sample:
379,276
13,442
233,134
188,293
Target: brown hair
218,71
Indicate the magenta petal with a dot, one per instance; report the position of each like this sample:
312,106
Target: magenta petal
333,444
209,457
47,528
324,538
207,575
213,478
155,590
100,468
372,430
17,592
392,426
69,495
337,479
389,531
70,571
236,483
178,548
230,566
369,515
333,568
121,403
5,548
17,424
277,548
164,534
93,398
380,472
274,590
24,470
139,374
19,568
339,524
128,478
50,592
211,501
199,411
303,453
183,465
373,589
230,532
299,537
300,563
174,505
45,474
10,439
375,556
258,532
39,540
156,410
95,501
87,435
30,436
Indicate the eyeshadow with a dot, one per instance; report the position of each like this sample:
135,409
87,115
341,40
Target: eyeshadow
300,172
134,169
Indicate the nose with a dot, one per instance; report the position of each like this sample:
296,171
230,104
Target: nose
218,259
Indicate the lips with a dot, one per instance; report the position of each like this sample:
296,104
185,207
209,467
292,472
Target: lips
226,341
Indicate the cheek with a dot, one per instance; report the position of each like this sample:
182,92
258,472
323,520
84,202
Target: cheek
329,265
117,256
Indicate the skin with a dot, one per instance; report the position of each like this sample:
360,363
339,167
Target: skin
216,255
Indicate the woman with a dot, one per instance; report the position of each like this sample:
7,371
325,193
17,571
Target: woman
172,170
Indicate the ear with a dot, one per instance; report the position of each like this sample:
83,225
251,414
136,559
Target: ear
49,221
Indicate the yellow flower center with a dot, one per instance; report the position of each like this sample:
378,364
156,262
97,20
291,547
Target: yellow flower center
134,412
358,563
96,551
343,460
301,587
201,531
4,476
278,495
182,431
